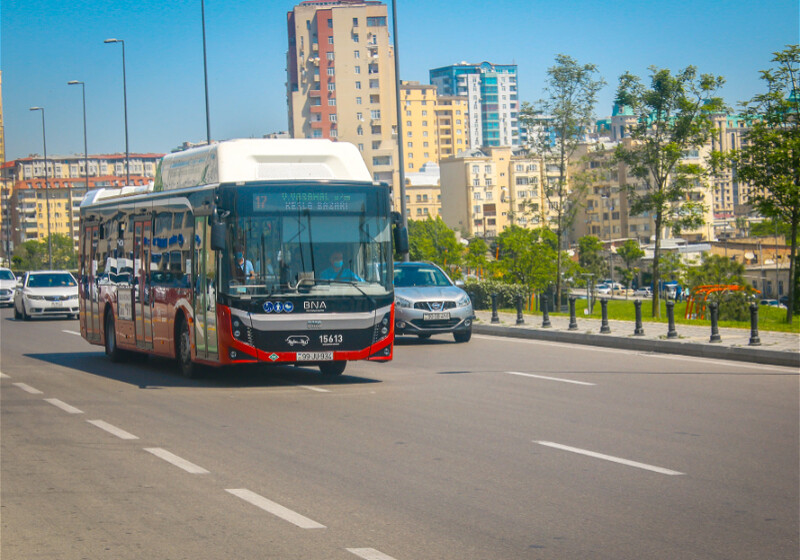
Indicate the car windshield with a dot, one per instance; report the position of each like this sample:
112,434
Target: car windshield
414,276
6,275
51,280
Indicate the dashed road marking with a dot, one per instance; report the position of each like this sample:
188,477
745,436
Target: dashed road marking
636,464
28,389
64,406
4,376
71,332
369,554
549,378
122,434
275,509
175,460
312,388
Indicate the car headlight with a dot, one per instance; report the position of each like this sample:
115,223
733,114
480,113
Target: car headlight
402,302
34,298
463,301
73,296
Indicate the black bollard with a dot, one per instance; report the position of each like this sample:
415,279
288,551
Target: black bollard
573,322
754,339
671,332
714,309
604,328
520,320
638,330
545,313
495,318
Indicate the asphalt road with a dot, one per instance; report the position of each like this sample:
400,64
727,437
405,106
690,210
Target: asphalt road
495,449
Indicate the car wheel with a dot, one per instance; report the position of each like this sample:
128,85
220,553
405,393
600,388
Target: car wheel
112,350
188,368
25,316
17,314
463,336
332,369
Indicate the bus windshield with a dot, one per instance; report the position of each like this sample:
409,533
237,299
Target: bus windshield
332,242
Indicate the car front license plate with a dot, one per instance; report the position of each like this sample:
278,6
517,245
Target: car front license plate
436,316
314,356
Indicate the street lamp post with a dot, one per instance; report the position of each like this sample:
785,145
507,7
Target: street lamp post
85,146
400,159
125,102
205,70
46,192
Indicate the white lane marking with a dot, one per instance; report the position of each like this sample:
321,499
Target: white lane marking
275,509
549,378
369,554
122,434
4,376
64,406
175,460
311,388
71,332
658,355
609,458
28,389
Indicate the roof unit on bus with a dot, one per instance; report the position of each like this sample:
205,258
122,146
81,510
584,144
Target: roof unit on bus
106,193
246,160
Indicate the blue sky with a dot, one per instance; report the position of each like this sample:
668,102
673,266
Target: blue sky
46,43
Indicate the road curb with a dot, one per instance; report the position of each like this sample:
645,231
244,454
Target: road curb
740,354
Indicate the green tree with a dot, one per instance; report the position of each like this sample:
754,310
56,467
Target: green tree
769,227
630,253
590,257
566,112
475,257
33,254
673,115
770,158
431,240
528,256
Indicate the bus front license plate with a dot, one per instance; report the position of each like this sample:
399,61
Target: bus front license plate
314,356
436,316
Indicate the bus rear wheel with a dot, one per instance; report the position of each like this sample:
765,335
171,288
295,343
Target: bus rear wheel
332,369
188,367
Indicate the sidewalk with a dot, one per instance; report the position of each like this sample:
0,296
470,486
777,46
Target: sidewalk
777,348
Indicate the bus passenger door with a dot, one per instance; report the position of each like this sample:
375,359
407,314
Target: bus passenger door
205,291
144,295
90,311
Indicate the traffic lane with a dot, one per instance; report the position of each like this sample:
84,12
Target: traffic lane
460,448
71,490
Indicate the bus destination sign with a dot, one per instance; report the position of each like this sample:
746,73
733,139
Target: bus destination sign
313,201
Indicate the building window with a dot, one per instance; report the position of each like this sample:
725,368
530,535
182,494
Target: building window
355,22
357,69
358,101
329,56
355,37
330,40
358,86
356,54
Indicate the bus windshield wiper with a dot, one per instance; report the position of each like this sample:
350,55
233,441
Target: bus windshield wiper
354,283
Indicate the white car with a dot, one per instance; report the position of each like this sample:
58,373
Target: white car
7,284
643,292
602,289
44,293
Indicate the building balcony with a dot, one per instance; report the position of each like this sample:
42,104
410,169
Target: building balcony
315,109
314,93
316,124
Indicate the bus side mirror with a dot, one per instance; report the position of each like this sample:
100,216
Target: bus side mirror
218,237
400,240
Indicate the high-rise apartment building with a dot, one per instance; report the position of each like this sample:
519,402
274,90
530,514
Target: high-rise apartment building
493,100
434,126
341,80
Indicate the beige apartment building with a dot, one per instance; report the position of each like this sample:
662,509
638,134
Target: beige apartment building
605,207
486,190
434,126
424,193
341,79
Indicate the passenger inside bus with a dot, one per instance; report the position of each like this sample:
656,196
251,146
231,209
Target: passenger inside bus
243,269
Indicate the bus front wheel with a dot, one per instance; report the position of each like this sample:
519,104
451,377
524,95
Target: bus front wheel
188,367
332,369
112,350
